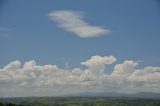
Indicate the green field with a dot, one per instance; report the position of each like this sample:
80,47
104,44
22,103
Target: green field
78,101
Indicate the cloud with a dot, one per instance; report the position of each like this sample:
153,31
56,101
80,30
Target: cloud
5,32
5,29
73,21
30,79
124,69
97,63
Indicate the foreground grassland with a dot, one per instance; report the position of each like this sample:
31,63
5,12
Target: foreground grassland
78,101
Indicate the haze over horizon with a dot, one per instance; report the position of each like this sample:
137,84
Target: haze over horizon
52,48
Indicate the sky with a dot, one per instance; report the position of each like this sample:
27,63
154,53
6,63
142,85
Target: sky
53,47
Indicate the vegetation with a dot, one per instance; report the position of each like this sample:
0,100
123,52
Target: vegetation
78,101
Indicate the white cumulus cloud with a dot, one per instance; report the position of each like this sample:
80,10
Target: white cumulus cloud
73,21
30,79
97,63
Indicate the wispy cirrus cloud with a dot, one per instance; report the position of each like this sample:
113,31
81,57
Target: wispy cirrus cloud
30,79
73,21
5,32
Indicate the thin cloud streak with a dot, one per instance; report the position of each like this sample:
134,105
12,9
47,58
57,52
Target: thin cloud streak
5,32
73,21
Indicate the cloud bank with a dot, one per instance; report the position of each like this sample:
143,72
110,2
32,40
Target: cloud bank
73,21
30,79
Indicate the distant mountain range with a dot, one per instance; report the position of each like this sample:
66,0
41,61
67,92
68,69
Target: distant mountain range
149,95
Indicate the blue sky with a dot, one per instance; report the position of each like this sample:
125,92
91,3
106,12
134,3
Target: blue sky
27,32
134,33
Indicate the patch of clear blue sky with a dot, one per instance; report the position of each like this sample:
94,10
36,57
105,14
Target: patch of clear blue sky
134,25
